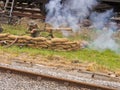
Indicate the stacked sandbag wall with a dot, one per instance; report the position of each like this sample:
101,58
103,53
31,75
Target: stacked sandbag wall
59,44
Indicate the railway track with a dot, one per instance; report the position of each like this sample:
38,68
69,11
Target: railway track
67,82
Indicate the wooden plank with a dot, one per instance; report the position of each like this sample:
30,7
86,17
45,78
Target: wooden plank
62,29
28,15
111,0
27,10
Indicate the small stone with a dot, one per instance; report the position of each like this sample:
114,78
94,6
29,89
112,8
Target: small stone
39,78
66,83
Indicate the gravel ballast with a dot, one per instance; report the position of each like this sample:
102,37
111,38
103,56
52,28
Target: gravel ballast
18,82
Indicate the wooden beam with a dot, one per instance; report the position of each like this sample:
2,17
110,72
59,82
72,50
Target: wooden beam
61,29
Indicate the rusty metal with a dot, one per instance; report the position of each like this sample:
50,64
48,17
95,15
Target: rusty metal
57,78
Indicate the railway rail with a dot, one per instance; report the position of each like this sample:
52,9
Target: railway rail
57,79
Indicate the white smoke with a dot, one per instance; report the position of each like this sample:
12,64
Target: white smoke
105,40
72,12
99,20
69,13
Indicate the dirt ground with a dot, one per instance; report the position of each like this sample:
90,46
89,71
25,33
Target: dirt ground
52,61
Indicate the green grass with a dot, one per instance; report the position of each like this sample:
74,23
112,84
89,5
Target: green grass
20,30
16,30
107,58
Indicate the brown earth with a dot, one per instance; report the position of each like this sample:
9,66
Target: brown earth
52,61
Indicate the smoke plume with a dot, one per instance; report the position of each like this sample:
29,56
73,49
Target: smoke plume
68,12
105,40
99,20
72,12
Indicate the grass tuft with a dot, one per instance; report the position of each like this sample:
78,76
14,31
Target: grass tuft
106,59
101,60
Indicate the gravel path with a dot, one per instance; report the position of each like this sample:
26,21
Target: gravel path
14,82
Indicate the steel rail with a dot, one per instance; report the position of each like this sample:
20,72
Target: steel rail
57,78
